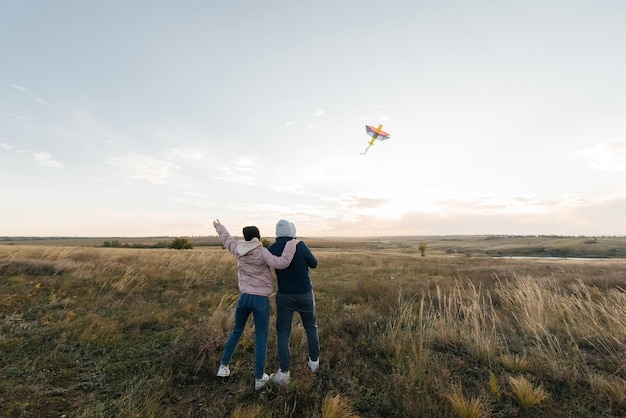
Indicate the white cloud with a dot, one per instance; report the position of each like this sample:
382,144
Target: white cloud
245,162
570,216
240,170
41,101
237,179
320,113
5,146
362,202
199,195
156,170
17,116
47,160
176,153
195,199
31,95
20,88
292,187
290,123
133,167
516,205
607,155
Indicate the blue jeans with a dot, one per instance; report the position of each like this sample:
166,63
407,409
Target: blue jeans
286,305
259,307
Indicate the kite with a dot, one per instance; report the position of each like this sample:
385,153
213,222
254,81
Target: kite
375,133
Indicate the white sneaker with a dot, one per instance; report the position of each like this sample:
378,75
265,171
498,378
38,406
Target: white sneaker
280,377
260,383
223,371
313,365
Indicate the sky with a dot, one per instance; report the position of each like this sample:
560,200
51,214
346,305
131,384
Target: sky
153,118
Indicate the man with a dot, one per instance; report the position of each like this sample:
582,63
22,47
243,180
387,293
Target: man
295,294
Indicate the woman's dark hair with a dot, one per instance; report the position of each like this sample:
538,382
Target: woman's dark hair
250,232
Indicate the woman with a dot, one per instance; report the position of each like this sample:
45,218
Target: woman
255,285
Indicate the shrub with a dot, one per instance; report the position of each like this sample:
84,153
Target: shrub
181,244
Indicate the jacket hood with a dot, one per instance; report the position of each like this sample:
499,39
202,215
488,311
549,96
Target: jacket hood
244,247
285,228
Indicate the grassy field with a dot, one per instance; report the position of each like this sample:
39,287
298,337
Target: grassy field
89,332
492,245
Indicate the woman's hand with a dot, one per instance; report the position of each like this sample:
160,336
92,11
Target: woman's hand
216,223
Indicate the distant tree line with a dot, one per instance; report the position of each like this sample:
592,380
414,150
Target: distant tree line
489,237
176,243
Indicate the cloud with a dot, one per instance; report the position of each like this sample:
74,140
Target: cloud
199,200
240,170
17,116
358,202
47,160
31,95
245,162
199,195
231,177
371,215
5,146
320,113
41,101
290,123
133,167
176,154
607,155
515,205
291,187
22,89
573,216
157,170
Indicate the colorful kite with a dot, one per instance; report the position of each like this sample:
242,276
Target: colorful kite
375,133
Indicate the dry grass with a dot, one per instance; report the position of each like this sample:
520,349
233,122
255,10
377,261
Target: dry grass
337,407
525,394
250,411
494,386
467,408
131,332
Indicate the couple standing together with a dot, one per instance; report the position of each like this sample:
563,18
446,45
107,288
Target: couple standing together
291,260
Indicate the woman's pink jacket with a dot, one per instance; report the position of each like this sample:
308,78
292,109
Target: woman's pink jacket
254,262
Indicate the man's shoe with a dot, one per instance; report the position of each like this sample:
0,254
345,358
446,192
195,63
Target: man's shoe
280,377
313,365
223,371
260,383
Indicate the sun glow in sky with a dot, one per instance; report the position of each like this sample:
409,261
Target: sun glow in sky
130,118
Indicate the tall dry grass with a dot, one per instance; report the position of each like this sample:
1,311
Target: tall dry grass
131,332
